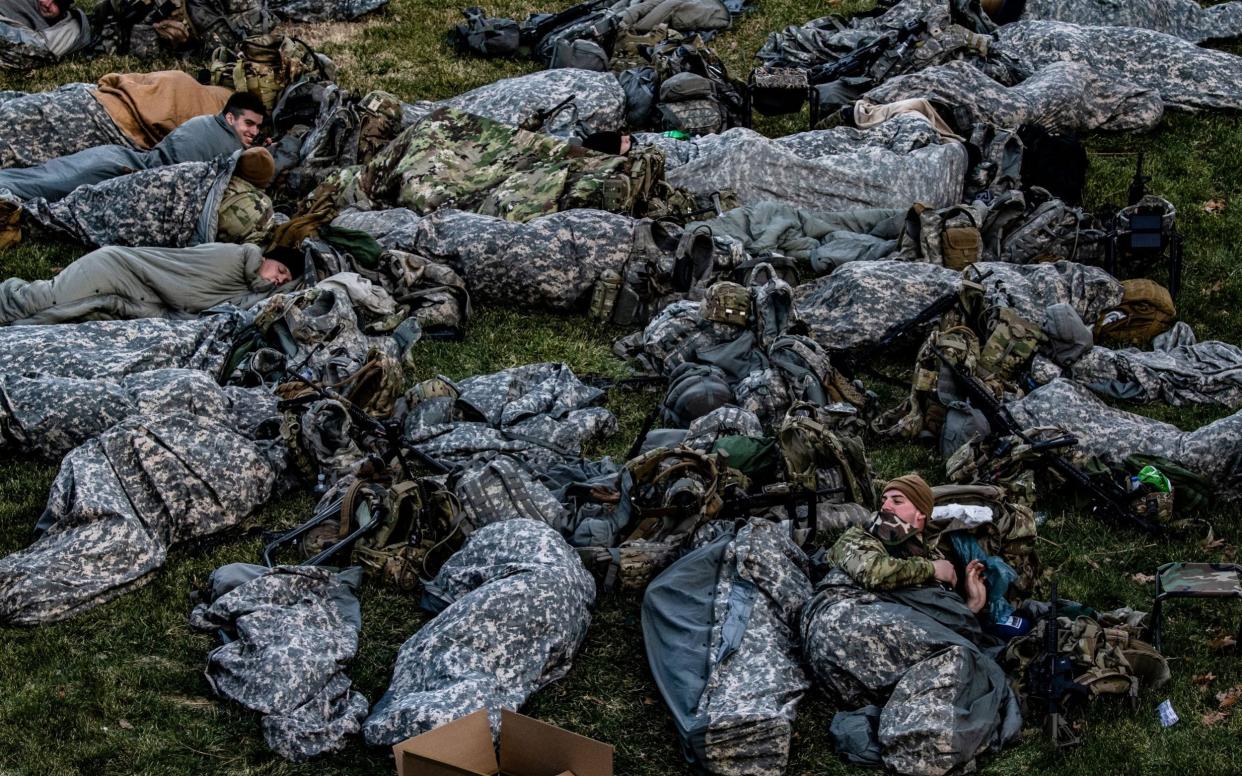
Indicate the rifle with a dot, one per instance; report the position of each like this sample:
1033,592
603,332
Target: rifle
1138,184
1051,680
540,25
1107,498
860,59
738,503
851,361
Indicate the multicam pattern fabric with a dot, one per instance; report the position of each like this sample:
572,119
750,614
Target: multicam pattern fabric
516,604
37,125
292,631
1182,18
172,206
917,653
836,169
867,560
1186,76
1061,97
120,502
456,159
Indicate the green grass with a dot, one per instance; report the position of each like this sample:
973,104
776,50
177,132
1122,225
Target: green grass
120,690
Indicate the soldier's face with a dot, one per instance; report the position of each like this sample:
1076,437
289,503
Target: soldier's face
246,126
48,9
274,272
896,502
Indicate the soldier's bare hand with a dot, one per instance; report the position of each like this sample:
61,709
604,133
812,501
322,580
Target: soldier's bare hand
945,572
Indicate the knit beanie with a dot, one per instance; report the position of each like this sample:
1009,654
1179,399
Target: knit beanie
256,166
916,489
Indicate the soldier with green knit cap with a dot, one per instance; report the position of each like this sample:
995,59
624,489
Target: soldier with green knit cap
891,553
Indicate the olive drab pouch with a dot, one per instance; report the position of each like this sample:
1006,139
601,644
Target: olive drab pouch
422,529
1011,344
727,302
815,457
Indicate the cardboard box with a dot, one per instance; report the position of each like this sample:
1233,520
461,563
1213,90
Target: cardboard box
528,747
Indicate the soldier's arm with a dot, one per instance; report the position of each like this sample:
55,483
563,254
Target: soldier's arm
866,560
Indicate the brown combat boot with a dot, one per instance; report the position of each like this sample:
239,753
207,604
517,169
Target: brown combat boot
10,223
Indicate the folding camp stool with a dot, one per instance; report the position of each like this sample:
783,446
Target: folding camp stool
1193,580
775,91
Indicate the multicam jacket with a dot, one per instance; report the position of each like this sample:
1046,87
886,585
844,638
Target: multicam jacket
877,564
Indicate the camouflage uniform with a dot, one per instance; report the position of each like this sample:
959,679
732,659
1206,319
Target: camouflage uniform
455,159
292,631
552,261
112,349
856,305
1061,97
51,415
598,106
748,591
174,206
539,413
892,165
1177,371
1213,451
45,125
917,652
121,501
1182,18
886,555
1186,76
324,10
515,608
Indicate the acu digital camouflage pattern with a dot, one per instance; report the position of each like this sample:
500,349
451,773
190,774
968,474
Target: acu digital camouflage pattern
24,48
1186,76
1177,371
861,301
516,604
598,105
51,415
323,10
754,677
1213,451
45,125
292,630
541,414
551,261
1182,18
917,654
1061,97
112,349
172,206
121,501
892,165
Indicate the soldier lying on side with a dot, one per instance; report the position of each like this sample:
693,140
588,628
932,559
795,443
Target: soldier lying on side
891,553
879,635
39,32
198,140
118,283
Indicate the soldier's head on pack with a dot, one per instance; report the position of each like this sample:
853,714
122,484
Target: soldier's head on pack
53,9
244,113
280,265
910,498
615,143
